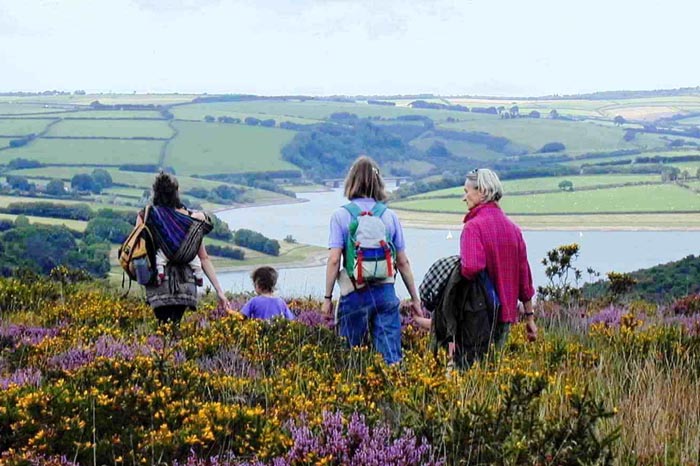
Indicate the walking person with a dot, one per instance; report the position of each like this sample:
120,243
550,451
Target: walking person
491,242
178,234
368,237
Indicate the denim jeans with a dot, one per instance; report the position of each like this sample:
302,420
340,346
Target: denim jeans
372,311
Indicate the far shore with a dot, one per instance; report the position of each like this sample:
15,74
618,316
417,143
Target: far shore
605,222
312,260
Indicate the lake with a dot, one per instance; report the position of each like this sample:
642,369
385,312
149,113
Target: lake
307,222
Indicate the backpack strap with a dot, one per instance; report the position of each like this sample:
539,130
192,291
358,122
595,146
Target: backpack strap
378,209
354,209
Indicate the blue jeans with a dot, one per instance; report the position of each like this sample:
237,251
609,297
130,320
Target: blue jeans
376,311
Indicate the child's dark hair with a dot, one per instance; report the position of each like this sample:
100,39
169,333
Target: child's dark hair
265,278
166,191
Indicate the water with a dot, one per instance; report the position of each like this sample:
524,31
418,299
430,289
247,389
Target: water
307,222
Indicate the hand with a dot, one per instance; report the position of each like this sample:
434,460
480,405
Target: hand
531,329
223,300
416,308
327,307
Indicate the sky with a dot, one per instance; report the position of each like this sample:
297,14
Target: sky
344,47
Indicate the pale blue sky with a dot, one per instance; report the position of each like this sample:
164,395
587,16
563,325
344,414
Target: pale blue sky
323,47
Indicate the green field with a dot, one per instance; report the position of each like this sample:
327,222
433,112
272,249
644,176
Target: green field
112,114
81,151
19,127
12,108
314,110
203,148
578,137
550,183
141,180
76,225
113,128
636,199
694,121
459,148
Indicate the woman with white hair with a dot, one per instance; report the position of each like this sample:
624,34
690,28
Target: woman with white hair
491,241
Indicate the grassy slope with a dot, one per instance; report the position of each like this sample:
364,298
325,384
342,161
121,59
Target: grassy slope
16,126
208,148
76,225
84,151
312,110
578,137
142,180
538,184
639,199
114,128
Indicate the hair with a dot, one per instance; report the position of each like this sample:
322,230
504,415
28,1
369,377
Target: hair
265,278
166,191
487,182
364,180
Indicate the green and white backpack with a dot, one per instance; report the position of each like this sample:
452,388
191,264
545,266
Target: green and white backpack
370,255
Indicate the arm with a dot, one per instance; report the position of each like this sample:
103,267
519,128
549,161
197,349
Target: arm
471,252
210,272
404,267
332,267
526,292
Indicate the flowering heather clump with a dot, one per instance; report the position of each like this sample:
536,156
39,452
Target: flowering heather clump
17,335
687,306
21,377
611,316
97,379
315,319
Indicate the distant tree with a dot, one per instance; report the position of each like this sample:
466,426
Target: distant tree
112,230
566,185
252,121
553,114
620,120
552,147
676,143
21,221
685,174
84,182
79,92
534,114
438,149
20,163
102,177
19,183
209,119
268,123
56,188
630,135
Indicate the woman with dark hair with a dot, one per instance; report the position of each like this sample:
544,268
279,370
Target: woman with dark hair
178,234
368,302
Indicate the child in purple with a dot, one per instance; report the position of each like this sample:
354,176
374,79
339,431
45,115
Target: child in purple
265,305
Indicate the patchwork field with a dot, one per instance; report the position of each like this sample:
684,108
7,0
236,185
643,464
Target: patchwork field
314,110
21,127
112,129
87,151
576,136
206,148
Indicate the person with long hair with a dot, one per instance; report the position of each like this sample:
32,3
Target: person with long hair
367,307
178,234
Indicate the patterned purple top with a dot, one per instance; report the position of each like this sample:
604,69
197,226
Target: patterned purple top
266,307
